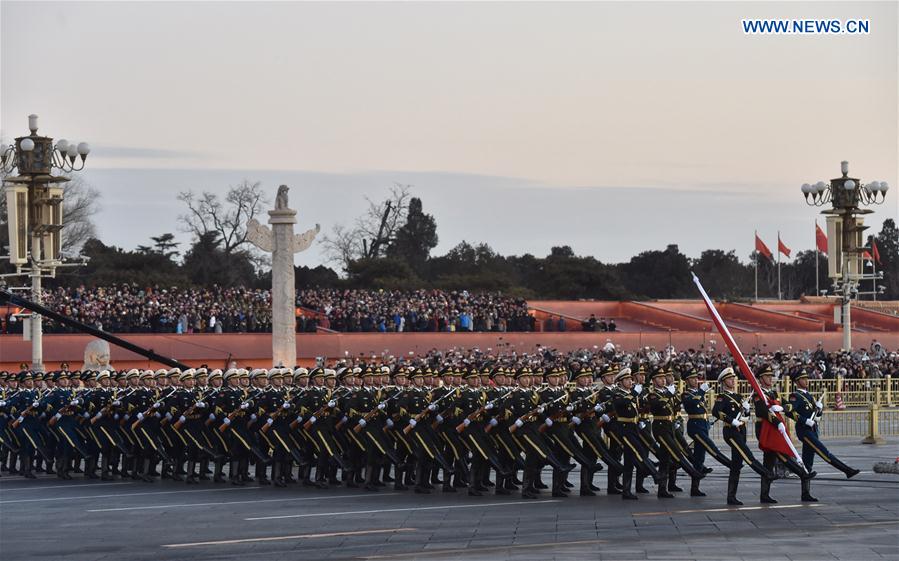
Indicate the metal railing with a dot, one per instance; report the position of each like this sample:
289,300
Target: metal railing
838,392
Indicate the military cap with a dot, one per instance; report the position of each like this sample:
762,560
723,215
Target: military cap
243,373
726,373
385,369
803,373
231,373
275,373
765,370
418,373
149,374
133,373
659,373
4,374
202,371
300,373
258,373
174,372
187,375
472,373
217,373
622,374
317,372
403,371
330,373
37,376
640,369
25,375
162,372
103,374
585,371
690,373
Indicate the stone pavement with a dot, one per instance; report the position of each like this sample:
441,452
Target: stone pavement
856,520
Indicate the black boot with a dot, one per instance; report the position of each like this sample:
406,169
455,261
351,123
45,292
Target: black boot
25,463
663,492
765,495
694,488
807,492
217,473
191,476
672,481
527,487
475,486
421,475
638,484
733,480
626,479
105,474
370,474
849,471
400,473
234,473
587,482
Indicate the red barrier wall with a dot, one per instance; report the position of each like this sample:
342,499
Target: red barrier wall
255,349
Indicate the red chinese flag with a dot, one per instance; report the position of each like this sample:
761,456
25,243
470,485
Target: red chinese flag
867,256
874,250
771,440
820,239
762,248
781,247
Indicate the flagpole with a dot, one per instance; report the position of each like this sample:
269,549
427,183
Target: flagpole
874,280
756,269
817,276
779,294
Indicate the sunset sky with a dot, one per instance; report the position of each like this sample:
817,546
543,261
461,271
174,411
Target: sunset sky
611,127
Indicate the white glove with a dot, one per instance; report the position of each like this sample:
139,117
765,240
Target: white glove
672,389
412,423
285,405
116,403
781,428
746,406
439,418
86,415
116,417
75,401
127,416
20,419
638,388
819,404
212,416
605,418
776,409
599,408
383,406
201,405
466,422
576,420
312,419
493,422
737,422
2,403
549,422
518,423
642,424
299,419
389,423
810,423
140,416
488,407
332,404
99,415
570,408
269,421
157,405
704,386
58,416
431,407
245,405
36,404
253,417
182,419
227,421
362,423
168,416
157,415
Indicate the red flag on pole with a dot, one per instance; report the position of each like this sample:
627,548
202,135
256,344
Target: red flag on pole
867,256
820,238
781,247
762,248
874,250
773,438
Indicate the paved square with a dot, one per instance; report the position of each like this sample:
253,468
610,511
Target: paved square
856,520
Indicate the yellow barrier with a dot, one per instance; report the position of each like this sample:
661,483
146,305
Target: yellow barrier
853,392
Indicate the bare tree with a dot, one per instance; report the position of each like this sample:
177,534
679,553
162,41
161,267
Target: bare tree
372,232
207,213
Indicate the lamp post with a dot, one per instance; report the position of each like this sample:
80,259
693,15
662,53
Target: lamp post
34,203
846,195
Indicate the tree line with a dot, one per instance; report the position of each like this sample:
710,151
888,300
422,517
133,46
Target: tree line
390,246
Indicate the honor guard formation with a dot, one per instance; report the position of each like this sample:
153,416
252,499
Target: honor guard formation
426,426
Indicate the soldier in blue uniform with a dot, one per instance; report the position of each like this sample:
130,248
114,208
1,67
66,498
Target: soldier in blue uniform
694,403
807,411
625,409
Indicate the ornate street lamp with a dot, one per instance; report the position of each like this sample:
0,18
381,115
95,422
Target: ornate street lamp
34,203
845,222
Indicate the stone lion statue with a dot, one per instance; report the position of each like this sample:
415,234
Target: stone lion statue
96,356
281,197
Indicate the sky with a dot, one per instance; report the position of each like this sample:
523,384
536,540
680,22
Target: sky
612,127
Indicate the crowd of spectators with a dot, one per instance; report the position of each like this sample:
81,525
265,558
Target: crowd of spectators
129,308
864,363
419,310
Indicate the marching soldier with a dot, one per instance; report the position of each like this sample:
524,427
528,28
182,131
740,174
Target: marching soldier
694,404
626,411
807,411
732,410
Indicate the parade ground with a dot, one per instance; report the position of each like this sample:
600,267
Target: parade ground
855,520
